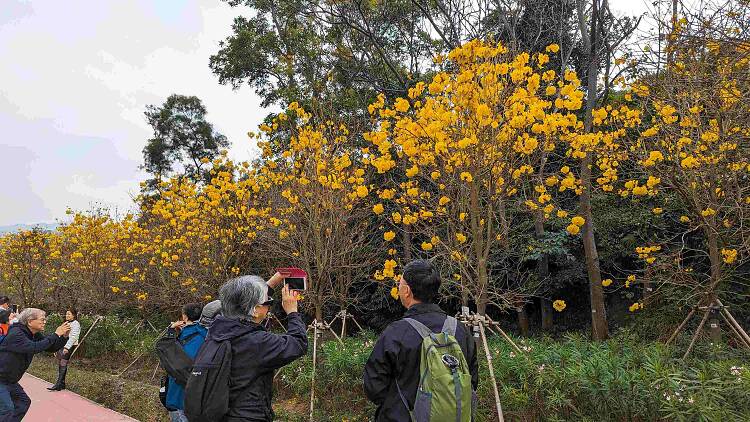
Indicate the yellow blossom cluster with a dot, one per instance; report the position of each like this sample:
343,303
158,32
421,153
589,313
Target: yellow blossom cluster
644,252
466,142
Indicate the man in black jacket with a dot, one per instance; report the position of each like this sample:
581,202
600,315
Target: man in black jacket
24,340
396,355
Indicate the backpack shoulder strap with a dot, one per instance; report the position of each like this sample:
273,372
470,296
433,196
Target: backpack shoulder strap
188,338
422,329
449,326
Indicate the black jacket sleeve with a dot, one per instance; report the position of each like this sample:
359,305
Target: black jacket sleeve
59,344
380,367
282,349
22,344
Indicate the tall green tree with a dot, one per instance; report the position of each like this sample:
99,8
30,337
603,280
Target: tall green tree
183,140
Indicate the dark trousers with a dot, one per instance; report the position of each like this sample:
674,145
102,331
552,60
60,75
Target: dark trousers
14,403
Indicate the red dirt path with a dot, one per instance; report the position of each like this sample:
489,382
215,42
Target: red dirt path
63,406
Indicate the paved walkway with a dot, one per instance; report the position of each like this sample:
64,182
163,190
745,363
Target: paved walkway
63,405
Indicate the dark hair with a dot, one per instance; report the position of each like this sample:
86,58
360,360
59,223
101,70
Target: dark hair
4,300
192,311
423,279
74,312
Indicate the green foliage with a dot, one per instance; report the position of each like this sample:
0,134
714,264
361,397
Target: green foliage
573,379
111,336
182,139
624,378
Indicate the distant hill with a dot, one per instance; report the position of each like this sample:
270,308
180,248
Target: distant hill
16,227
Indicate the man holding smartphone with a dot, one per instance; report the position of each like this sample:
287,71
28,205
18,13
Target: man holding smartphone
24,340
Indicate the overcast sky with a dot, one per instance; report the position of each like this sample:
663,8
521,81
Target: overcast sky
75,78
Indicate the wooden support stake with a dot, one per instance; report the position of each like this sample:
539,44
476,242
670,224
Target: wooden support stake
355,322
312,381
499,408
679,328
96,321
505,336
140,355
697,333
326,326
734,330
734,322
155,369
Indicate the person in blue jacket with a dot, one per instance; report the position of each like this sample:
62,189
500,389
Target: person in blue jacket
191,336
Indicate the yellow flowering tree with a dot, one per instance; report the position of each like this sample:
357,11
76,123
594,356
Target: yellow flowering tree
470,137
694,147
24,264
88,257
317,195
194,237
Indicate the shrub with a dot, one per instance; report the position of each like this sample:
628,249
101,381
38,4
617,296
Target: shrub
111,335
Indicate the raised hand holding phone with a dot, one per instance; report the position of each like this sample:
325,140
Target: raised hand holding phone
288,299
63,330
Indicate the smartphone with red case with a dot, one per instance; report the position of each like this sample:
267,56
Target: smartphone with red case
295,278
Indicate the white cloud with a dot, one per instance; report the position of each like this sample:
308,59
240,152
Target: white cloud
77,76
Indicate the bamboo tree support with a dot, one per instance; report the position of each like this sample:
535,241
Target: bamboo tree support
315,356
344,315
270,318
733,322
681,326
334,320
504,334
697,333
153,374
96,321
499,407
734,330
324,326
713,305
141,354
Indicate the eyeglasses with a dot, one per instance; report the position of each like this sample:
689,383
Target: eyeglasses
269,302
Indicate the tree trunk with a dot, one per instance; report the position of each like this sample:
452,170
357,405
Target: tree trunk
542,268
596,292
715,257
407,246
483,298
464,296
319,313
714,330
523,321
545,307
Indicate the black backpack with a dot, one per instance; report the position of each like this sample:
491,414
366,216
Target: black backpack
173,358
207,389
163,391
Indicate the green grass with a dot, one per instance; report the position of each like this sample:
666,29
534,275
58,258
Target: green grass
568,379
